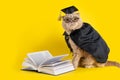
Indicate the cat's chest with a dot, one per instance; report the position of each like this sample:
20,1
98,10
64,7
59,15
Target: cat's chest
72,44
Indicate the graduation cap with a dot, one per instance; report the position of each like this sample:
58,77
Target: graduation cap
69,10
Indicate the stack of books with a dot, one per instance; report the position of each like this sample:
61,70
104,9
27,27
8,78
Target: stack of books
44,62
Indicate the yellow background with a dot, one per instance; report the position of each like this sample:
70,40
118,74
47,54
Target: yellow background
32,25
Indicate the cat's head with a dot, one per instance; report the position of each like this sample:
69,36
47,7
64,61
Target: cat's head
71,22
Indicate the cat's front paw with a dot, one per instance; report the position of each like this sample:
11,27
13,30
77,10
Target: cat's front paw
89,66
75,66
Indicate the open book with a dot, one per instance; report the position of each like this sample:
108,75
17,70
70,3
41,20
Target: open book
44,62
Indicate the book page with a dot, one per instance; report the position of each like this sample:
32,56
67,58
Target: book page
58,66
63,70
54,59
39,57
57,63
57,71
28,66
29,61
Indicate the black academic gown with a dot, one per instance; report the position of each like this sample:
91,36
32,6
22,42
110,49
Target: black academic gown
88,39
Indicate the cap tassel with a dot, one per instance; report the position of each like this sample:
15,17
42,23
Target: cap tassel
60,16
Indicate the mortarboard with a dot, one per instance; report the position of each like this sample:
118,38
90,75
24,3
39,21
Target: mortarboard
69,10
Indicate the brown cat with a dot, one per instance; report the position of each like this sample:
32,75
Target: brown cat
81,57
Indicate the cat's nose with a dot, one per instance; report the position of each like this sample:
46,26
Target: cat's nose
71,21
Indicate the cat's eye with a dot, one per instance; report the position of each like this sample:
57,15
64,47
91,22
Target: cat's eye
75,19
67,20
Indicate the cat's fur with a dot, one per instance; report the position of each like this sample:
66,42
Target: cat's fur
81,58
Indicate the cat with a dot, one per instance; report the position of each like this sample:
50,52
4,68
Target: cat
82,58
